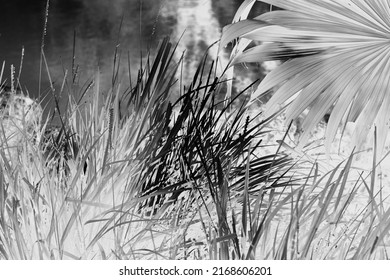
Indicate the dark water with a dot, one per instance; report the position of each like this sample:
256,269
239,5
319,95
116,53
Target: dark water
92,28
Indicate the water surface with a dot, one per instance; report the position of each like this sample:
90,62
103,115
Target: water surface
91,30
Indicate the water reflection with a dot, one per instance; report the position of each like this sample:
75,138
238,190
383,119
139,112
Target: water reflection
96,25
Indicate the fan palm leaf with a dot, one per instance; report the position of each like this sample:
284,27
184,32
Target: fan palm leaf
336,57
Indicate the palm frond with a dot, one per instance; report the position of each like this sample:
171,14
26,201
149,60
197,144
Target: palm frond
336,59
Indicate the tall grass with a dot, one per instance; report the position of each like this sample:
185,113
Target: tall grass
135,175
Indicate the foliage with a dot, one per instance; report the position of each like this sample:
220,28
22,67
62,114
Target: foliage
109,172
134,175
335,60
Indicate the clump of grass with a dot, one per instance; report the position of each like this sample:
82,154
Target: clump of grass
95,175
327,215
134,175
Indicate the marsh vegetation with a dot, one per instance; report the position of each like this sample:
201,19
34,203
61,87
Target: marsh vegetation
135,174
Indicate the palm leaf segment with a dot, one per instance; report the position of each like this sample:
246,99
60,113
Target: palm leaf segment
336,53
